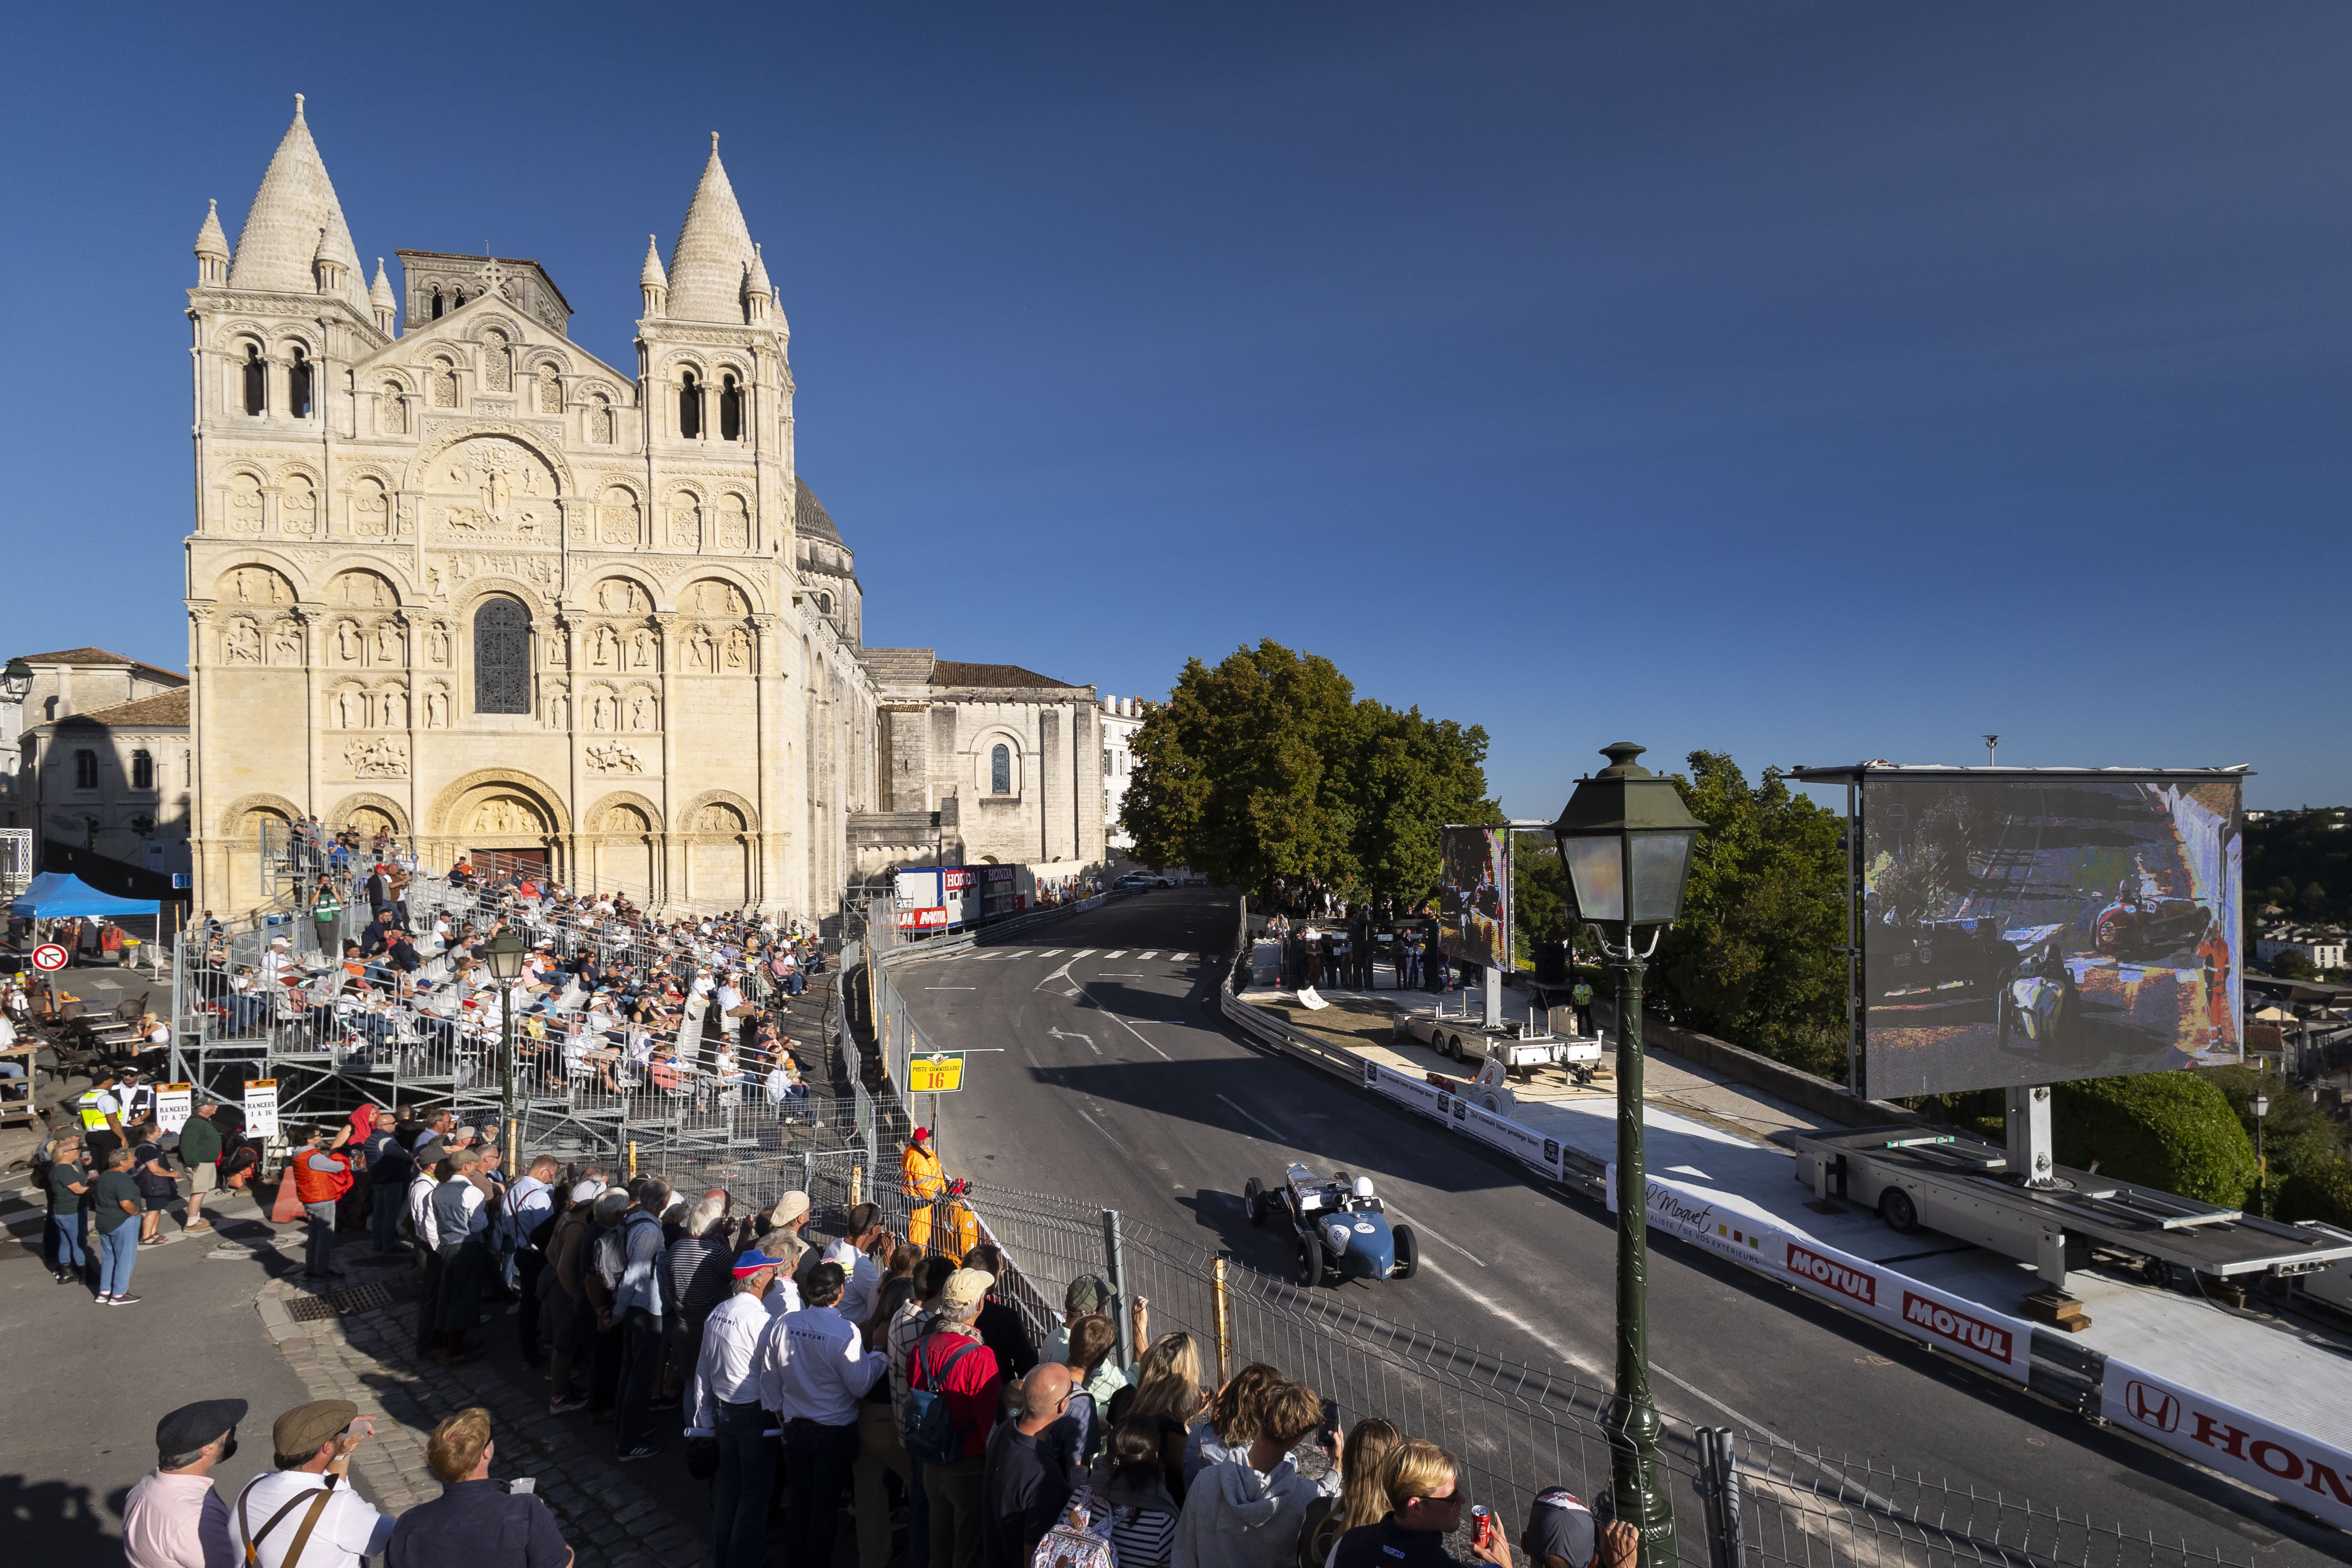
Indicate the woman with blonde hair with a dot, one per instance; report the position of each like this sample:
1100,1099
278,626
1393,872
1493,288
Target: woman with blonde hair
1166,1391
1363,1496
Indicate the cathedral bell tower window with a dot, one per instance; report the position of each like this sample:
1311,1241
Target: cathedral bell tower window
298,386
1000,770
689,408
256,381
440,304
730,411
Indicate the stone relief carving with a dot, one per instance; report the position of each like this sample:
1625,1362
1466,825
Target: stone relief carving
701,651
285,644
381,757
371,511
241,642
716,818
361,590
395,709
559,711
348,646
614,757
551,391
644,713
388,643
734,524
437,642
603,648
619,596
738,649
641,650
244,504
351,711
441,382
258,585
506,816
685,523
494,362
392,412
604,713
298,507
437,710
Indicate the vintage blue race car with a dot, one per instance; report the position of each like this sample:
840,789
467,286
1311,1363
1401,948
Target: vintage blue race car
1342,1229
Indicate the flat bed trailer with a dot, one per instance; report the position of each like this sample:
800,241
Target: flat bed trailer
1963,1186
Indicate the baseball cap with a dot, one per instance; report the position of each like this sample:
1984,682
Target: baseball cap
789,1207
754,1260
586,1191
1560,1525
1086,1293
966,1288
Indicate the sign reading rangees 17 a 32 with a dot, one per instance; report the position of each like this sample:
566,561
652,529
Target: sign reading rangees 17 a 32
2040,925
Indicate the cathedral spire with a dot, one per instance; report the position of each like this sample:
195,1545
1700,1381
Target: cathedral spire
212,250
281,237
759,294
653,279
713,255
380,301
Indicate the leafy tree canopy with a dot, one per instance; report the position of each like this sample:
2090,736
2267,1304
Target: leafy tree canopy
1269,764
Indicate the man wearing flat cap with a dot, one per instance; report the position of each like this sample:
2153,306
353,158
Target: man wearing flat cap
310,1499
174,1517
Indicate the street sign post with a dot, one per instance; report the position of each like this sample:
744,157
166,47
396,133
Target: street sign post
49,957
935,1072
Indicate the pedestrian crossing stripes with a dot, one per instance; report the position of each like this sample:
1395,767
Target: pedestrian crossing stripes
1143,955
1114,955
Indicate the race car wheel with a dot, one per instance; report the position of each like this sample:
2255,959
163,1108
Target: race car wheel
1408,1253
1310,1261
1253,1201
1896,1207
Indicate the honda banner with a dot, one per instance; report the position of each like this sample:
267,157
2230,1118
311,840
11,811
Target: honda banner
2300,1471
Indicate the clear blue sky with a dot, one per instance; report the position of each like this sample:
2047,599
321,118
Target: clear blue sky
1810,383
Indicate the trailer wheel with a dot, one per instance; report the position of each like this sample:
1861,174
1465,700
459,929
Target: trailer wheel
1454,1047
1896,1207
1408,1253
1253,1201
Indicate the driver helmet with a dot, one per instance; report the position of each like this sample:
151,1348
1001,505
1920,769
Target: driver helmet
1363,1186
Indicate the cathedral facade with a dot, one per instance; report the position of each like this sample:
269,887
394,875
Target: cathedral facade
453,574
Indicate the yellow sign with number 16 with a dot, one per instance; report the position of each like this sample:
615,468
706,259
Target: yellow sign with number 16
939,1072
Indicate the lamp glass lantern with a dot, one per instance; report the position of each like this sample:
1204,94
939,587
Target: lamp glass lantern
504,953
1627,838
2262,1106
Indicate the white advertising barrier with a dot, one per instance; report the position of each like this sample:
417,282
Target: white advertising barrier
2296,1470
1967,1329
1522,1143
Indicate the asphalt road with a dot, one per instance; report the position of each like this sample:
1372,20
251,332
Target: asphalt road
1135,1094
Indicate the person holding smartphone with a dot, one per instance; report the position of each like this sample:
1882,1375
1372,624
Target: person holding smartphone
309,1497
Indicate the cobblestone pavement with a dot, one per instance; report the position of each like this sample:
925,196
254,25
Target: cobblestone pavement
367,1356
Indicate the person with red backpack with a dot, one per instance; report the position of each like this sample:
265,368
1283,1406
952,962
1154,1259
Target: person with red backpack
953,1389
322,1175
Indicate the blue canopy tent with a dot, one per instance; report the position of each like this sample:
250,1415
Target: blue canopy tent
58,895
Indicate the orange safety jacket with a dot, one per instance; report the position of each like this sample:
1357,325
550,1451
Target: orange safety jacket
319,1186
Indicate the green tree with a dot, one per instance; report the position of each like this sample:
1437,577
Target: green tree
1267,764
2289,964
1751,958
2171,1131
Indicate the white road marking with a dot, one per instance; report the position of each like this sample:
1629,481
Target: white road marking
1111,956
1122,1022
1144,955
1420,1230
1270,1132
1096,1125
1116,974
951,987
1065,1035
1051,952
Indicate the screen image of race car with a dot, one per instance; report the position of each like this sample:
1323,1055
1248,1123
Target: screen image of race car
2023,930
1473,901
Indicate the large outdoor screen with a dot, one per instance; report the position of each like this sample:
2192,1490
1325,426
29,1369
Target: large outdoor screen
1474,901
2021,930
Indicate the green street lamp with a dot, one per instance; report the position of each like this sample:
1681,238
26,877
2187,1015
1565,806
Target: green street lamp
504,953
1626,839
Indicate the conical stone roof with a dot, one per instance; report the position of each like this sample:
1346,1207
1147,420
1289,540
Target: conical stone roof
651,274
282,229
713,254
210,240
380,291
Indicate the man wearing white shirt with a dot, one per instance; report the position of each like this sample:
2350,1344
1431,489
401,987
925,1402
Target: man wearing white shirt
825,1369
852,1255
426,1240
722,1402
526,1207
314,1444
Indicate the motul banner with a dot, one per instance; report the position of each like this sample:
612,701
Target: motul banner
2298,1470
1991,1340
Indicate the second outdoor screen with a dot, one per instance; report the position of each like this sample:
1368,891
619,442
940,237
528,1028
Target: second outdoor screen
2023,930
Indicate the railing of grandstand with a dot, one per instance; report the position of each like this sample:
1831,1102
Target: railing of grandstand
408,1038
1516,1426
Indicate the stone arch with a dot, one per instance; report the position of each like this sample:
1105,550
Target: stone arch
747,816
234,816
606,598
236,332
444,818
420,465
600,815
363,588
288,339
1018,758
368,800
242,507
685,517
356,560
489,320
728,576
255,583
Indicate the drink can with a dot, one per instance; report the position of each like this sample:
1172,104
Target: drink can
1482,1525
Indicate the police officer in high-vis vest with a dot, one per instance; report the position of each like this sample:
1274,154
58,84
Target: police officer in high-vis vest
101,1110
1581,999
